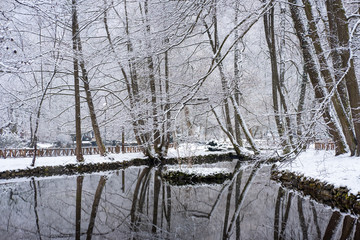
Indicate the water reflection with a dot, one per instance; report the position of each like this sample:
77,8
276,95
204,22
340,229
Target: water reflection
136,203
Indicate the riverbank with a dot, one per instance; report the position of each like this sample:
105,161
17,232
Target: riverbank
50,166
340,171
334,181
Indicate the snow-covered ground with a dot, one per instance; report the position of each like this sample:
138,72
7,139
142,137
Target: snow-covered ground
24,163
342,170
198,169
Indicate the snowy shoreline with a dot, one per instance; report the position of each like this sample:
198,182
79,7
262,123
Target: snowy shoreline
341,171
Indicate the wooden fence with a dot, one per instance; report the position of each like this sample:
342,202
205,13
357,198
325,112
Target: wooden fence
324,146
55,152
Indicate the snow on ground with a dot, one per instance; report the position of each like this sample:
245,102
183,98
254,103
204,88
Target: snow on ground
44,145
24,163
342,170
189,150
197,169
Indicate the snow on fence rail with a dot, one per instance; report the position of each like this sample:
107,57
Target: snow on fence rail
54,152
324,146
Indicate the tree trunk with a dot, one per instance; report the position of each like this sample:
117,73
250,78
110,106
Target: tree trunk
189,125
167,133
237,75
301,102
152,85
79,155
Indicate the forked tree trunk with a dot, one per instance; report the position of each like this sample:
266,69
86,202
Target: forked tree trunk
333,40
89,99
276,90
152,85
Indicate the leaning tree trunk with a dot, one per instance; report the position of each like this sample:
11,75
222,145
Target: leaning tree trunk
244,127
333,40
325,72
37,122
320,93
300,107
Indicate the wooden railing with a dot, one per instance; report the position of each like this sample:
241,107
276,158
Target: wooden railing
56,152
324,146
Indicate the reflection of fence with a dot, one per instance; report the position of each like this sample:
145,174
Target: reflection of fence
324,146
55,152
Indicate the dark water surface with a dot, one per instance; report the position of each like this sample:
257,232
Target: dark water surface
136,204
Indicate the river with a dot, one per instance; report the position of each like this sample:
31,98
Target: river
135,203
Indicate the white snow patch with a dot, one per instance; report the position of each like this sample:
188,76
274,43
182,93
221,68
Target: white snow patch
200,170
44,145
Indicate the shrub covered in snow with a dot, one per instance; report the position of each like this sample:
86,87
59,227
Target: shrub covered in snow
9,139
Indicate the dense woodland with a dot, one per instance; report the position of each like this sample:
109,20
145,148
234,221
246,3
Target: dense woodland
281,73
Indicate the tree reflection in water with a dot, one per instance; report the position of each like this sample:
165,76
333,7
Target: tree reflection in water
135,203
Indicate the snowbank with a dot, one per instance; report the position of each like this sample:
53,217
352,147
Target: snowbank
340,171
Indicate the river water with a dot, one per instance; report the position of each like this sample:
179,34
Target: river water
135,203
